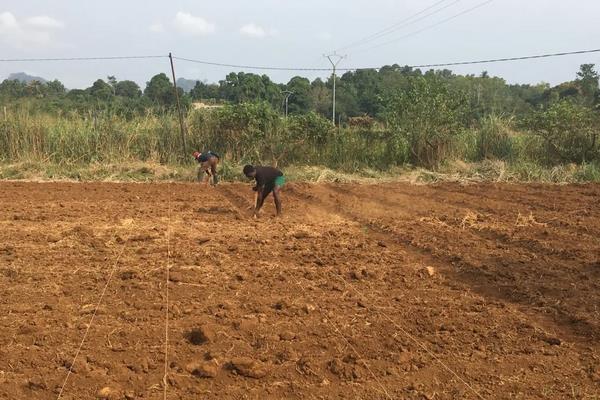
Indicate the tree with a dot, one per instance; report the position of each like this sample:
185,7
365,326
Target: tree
78,95
128,89
570,132
12,88
425,118
101,90
112,81
203,91
35,88
368,87
55,88
320,97
587,79
300,102
160,91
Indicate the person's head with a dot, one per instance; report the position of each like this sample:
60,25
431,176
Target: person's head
196,154
249,171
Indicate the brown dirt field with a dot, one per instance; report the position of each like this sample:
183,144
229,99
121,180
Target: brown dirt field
390,291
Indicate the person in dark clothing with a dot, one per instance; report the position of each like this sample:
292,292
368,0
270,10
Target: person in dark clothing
268,179
208,164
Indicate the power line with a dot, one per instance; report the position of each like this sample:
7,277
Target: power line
569,53
430,26
401,24
216,64
448,64
79,58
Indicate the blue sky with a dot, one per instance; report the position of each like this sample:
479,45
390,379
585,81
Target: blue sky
293,33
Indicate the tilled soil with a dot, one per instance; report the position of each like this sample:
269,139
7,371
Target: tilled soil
390,291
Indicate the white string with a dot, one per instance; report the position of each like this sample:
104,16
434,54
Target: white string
349,344
167,276
411,337
114,267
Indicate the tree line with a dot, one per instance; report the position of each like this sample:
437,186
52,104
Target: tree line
361,93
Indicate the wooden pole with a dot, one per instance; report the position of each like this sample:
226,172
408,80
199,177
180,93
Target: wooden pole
181,124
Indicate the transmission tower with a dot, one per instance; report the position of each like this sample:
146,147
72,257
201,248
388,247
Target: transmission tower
334,59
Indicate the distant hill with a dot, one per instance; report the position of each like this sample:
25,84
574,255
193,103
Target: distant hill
23,77
186,84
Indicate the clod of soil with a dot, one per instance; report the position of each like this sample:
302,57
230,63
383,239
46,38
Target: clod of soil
287,335
126,275
281,305
36,383
108,393
359,273
301,235
345,369
308,308
203,369
201,335
249,368
175,276
552,341
202,240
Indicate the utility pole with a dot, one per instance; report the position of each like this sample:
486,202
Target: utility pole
332,59
287,94
181,126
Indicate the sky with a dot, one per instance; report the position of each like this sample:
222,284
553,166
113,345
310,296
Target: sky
294,33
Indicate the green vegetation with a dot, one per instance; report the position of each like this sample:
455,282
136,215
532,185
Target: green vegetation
391,120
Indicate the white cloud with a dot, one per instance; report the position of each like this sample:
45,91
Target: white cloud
44,22
157,28
257,31
8,22
31,32
192,25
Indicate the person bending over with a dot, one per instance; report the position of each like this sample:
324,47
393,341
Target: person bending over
268,179
208,164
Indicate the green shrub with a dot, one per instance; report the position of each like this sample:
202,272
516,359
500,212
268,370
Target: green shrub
569,132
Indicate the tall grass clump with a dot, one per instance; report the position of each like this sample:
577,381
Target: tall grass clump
495,138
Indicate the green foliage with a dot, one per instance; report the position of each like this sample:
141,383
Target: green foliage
301,101
426,117
238,130
244,87
128,89
389,117
587,80
569,131
160,91
101,90
203,91
495,138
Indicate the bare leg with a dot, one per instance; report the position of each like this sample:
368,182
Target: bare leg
260,199
277,198
213,171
